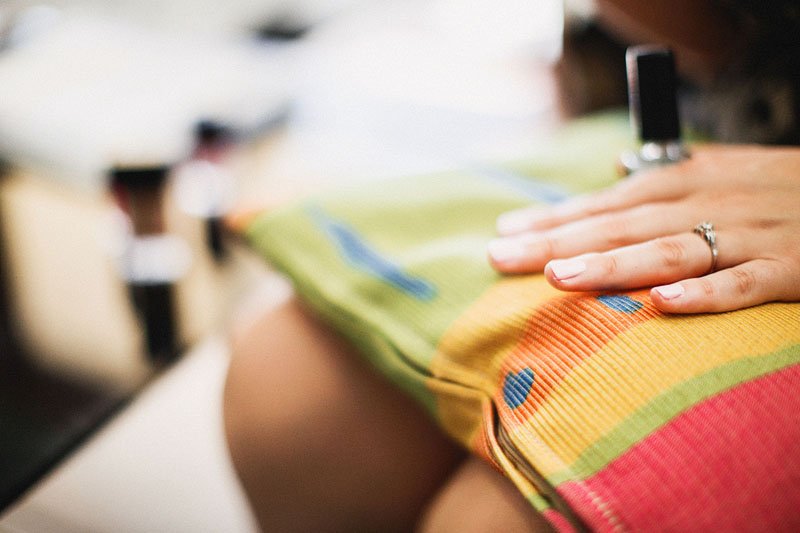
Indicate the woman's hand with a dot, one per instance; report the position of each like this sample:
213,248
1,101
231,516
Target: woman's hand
639,233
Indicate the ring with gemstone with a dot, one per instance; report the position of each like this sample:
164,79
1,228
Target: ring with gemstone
706,231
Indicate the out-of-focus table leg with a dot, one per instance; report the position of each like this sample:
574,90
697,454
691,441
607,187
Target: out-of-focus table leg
153,260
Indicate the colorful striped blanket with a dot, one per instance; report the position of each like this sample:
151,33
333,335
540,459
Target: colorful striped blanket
605,413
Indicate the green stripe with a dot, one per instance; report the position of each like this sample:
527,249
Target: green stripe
582,156
434,228
439,236
668,405
539,502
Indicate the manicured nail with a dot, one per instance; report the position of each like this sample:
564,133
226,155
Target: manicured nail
506,250
670,292
513,222
564,269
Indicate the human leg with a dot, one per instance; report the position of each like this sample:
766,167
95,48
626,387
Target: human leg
320,441
476,498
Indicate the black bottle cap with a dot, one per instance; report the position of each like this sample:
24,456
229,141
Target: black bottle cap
652,93
140,176
211,131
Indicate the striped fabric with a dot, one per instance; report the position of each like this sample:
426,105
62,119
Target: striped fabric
605,413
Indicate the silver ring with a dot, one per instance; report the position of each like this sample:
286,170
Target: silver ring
706,231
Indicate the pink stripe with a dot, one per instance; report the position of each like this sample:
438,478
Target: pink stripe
558,521
729,463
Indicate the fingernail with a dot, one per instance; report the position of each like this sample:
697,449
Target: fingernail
670,292
564,269
506,250
513,222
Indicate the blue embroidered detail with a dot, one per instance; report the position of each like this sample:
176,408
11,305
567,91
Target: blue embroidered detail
359,254
621,303
517,387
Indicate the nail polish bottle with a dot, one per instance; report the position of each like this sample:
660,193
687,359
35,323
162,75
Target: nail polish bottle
653,103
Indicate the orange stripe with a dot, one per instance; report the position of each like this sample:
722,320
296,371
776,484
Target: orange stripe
558,337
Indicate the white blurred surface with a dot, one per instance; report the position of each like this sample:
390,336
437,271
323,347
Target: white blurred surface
418,86
89,92
409,85
198,17
161,465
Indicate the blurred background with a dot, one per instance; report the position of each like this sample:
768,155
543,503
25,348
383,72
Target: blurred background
130,132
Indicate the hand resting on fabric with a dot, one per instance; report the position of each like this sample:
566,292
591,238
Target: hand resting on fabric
639,233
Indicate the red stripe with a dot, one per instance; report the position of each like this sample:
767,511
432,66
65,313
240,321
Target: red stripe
558,521
730,463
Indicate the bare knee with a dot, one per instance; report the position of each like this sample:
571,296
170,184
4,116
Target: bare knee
280,404
477,499
264,393
318,439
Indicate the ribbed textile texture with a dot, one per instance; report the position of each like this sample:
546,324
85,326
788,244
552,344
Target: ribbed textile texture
605,413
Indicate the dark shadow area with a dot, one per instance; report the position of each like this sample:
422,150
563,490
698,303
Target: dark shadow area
43,417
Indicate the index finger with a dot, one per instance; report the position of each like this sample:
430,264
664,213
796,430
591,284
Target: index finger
657,185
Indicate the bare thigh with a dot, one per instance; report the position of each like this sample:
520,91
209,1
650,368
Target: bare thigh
320,441
479,499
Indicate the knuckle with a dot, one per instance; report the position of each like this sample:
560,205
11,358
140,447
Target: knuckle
610,264
619,231
785,274
767,223
707,288
672,252
744,281
548,246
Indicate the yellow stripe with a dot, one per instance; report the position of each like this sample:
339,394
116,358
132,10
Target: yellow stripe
471,350
644,362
